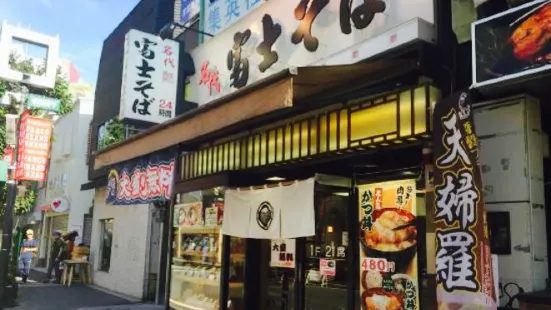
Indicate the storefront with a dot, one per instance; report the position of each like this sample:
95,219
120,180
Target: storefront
335,143
364,160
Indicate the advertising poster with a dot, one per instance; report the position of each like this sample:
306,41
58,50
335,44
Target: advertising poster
512,45
283,253
463,260
388,246
188,214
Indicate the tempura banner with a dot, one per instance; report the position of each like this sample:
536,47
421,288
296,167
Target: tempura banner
463,259
388,246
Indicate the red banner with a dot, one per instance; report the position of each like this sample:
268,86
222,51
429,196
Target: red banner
33,148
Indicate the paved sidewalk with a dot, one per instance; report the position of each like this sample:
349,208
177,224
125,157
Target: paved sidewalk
36,295
56,297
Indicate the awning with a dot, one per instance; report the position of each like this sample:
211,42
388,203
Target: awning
279,91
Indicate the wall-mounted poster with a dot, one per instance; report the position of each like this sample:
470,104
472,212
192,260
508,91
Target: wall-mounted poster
388,246
188,214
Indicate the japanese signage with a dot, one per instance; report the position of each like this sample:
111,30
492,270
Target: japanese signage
33,150
388,245
141,181
221,14
303,32
43,103
506,47
463,258
328,267
150,76
189,9
283,253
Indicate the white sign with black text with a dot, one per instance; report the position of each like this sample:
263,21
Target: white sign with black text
283,253
274,37
150,78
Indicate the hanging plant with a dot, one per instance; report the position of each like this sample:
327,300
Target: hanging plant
25,203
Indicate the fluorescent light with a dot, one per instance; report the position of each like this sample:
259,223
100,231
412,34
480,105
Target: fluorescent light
275,179
344,194
408,173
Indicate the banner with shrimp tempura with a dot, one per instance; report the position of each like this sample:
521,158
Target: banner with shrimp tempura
388,246
464,276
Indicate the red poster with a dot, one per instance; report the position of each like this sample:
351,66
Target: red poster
33,148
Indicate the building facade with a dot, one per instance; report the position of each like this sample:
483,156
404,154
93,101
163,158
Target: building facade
309,97
63,204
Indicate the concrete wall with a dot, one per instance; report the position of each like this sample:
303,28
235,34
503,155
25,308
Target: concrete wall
68,162
129,247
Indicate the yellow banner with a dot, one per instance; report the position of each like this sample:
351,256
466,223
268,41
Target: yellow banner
388,246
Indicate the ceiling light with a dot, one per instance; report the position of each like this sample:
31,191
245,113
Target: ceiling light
408,173
344,194
275,179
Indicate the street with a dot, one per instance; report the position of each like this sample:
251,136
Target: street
36,295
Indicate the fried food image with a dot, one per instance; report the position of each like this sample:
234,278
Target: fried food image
382,302
531,37
384,238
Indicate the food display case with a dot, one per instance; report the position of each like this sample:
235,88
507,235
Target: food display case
195,282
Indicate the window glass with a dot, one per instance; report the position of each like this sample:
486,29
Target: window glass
326,269
195,270
237,274
106,244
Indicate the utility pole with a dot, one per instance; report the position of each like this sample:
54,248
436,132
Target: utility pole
7,230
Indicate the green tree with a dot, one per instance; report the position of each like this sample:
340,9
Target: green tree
24,204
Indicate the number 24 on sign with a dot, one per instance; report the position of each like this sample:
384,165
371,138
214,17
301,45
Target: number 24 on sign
377,264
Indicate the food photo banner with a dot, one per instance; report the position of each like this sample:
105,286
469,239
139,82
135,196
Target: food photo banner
463,259
145,180
512,44
388,245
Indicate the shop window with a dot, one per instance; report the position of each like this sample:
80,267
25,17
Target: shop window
326,263
196,264
106,244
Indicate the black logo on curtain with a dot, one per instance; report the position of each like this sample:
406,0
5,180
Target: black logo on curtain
265,215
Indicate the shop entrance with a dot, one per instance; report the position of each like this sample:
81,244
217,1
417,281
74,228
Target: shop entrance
319,275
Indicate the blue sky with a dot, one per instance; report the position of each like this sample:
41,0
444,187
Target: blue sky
82,25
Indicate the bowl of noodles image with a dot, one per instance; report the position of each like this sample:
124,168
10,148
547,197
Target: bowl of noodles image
384,240
379,299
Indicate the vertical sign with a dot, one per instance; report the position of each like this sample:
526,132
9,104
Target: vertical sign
190,8
463,258
33,149
221,14
150,78
283,253
388,245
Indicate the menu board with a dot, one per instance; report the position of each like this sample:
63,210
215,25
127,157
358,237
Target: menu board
388,246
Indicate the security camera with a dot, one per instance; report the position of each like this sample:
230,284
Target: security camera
167,31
